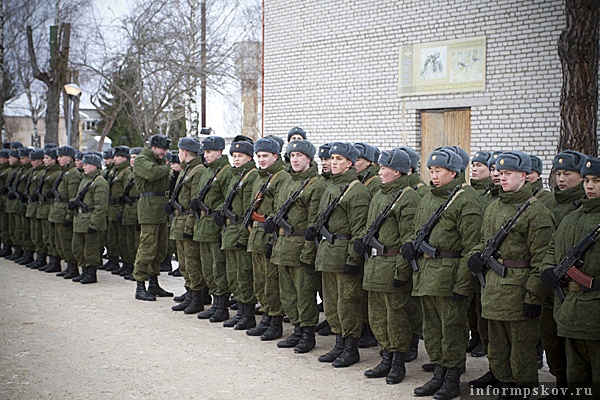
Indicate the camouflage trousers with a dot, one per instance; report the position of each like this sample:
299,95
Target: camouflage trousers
298,292
342,302
239,275
110,239
511,351
212,259
15,228
583,367
49,237
64,242
127,242
554,346
26,240
151,251
87,249
389,319
415,316
444,322
37,235
188,256
4,228
266,285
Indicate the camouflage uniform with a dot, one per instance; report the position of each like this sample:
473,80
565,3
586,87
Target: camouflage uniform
152,182
43,211
573,315
389,307
35,223
265,273
22,187
116,232
512,338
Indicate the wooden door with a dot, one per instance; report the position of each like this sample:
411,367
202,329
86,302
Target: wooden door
449,127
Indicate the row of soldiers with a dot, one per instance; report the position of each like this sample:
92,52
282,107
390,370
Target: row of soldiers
380,245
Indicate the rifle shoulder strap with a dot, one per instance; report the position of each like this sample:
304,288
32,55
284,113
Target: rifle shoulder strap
246,177
227,166
370,180
272,177
454,198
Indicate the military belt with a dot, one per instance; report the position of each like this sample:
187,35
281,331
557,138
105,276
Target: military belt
89,210
187,212
387,253
281,232
445,254
339,236
574,286
153,194
515,263
257,224
112,201
205,214
230,222
63,200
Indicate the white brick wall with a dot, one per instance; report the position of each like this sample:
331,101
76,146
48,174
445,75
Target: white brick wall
331,67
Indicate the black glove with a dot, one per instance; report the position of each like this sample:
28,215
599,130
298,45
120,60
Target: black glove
532,310
11,196
34,198
91,230
49,194
219,218
71,206
476,264
188,236
398,283
310,233
408,253
67,224
359,246
458,296
269,225
549,279
268,251
23,198
351,270
195,204
168,209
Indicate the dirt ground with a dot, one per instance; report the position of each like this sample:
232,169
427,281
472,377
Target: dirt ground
64,340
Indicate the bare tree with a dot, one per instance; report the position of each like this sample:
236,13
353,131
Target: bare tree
579,52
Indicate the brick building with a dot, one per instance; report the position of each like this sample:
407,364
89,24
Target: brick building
333,68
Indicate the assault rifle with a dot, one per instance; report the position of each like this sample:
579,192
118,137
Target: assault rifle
12,193
279,219
490,254
568,266
420,244
78,202
173,202
37,195
320,227
25,197
54,191
257,201
125,196
371,239
229,199
202,195
365,176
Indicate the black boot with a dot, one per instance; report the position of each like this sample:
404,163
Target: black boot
6,250
53,265
26,259
176,272
413,350
211,311
324,329
350,354
478,350
142,294
262,326
222,312
128,270
114,266
206,297
90,277
383,368
540,354
274,331
307,342
398,369
292,340
109,265
165,265
487,380
18,253
120,270
230,323
155,290
63,272
81,276
248,320
187,299
367,339
451,387
40,262
473,341
334,353
434,384
179,299
196,305
73,272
